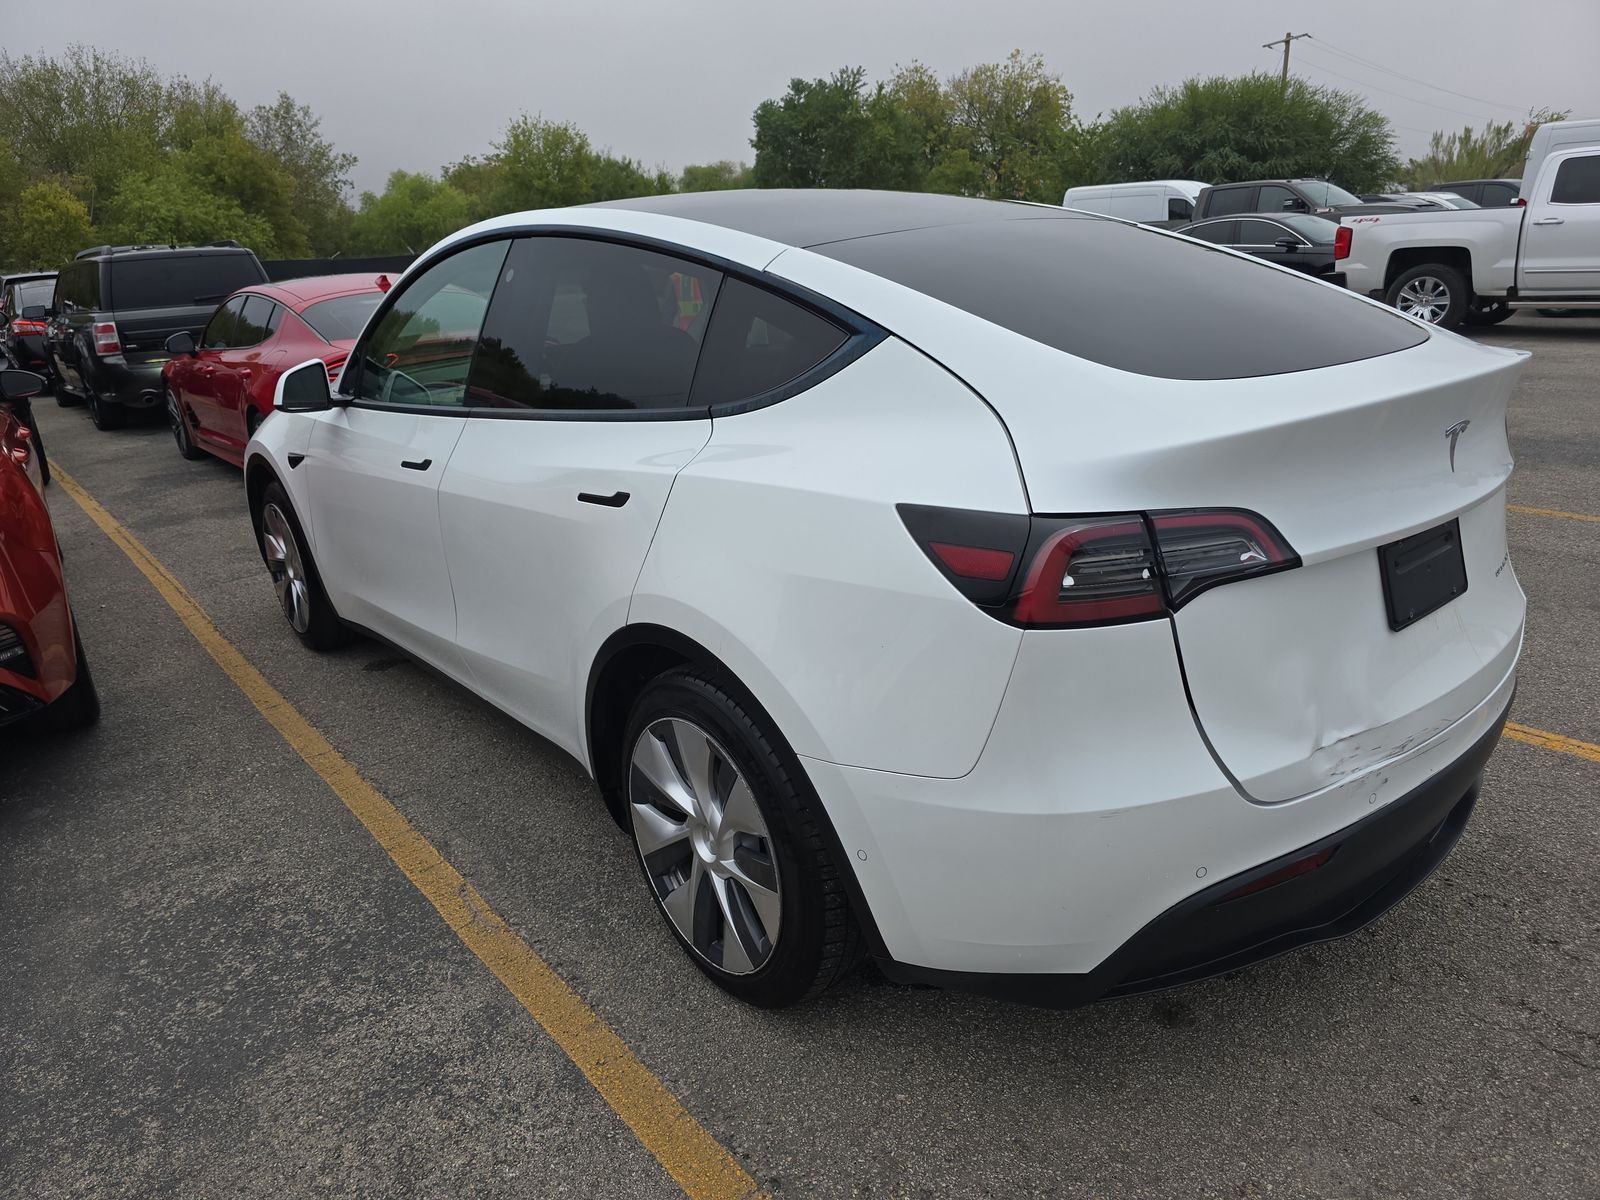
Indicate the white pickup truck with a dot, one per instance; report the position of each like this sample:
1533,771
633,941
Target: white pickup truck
1478,265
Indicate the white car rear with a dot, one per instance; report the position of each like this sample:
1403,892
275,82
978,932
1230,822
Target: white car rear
1038,647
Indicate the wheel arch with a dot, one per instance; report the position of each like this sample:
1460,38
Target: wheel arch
1457,258
258,473
625,662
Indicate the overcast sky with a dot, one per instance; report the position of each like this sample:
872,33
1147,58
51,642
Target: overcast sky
416,84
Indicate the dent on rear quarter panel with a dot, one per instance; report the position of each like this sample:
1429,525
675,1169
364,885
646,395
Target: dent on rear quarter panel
781,551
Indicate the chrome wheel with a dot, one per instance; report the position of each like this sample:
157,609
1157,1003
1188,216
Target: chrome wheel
288,571
1426,298
705,845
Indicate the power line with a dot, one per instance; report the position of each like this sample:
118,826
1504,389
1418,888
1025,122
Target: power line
1478,116
1367,62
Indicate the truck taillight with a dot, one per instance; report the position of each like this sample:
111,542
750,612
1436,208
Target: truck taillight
1104,569
106,339
1341,243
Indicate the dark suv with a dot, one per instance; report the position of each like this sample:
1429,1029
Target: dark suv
1285,195
115,308
1485,193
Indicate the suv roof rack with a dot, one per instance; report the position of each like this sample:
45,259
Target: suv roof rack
95,251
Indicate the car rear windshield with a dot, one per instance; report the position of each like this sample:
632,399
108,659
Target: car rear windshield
40,291
343,317
179,281
1132,298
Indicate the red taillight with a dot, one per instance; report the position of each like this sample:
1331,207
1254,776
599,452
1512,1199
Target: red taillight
106,339
1520,202
1341,243
20,327
1091,571
1055,572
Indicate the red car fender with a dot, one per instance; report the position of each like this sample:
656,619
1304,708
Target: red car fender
33,594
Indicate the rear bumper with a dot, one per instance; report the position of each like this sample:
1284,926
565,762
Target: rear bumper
1362,872
132,384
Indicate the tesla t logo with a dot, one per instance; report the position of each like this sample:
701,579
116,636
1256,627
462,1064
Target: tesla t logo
1454,434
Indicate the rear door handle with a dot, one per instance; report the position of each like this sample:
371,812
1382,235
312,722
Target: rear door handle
422,464
615,500
1551,221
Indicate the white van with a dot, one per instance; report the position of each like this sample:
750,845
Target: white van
1159,202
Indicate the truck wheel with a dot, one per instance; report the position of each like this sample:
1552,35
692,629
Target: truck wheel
1432,293
1488,312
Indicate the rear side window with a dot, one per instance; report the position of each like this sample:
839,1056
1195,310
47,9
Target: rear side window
342,317
759,341
579,324
1260,233
421,351
179,280
1577,181
220,329
1133,299
78,287
1230,200
256,322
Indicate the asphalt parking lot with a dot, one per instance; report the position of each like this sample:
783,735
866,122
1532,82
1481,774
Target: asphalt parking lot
216,982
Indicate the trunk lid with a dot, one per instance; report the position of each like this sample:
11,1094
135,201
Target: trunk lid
1297,680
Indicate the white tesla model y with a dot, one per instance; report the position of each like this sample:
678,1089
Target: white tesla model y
1038,603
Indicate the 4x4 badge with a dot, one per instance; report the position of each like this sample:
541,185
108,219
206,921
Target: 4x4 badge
1454,434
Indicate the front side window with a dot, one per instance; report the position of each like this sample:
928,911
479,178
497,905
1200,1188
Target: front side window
579,324
1577,181
1261,233
759,341
220,329
256,322
1499,195
1278,199
421,351
1326,195
1231,200
1179,209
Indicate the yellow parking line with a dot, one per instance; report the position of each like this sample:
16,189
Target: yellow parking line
1552,512
1553,741
699,1163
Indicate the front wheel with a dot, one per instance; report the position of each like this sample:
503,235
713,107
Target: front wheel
727,831
1432,293
1488,312
76,707
294,574
180,428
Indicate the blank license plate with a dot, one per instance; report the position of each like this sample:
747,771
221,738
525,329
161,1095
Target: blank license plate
1422,573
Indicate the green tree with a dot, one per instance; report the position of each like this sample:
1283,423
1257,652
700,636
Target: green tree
1250,127
318,174
169,205
48,225
715,177
836,133
1011,130
1496,151
413,212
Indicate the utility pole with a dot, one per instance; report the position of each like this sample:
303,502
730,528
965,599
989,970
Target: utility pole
1288,39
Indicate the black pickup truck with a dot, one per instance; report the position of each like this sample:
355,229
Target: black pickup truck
115,307
1316,196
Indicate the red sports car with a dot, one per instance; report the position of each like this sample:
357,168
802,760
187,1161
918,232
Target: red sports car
219,391
43,674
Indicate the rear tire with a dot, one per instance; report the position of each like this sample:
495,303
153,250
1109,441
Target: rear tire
106,416
294,573
64,398
1432,293
793,929
76,707
180,427
1488,312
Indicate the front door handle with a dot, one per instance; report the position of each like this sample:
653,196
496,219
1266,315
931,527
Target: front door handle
422,464
1551,221
615,500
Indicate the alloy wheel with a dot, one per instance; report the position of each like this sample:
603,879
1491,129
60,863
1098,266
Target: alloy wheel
288,571
1426,298
180,428
705,845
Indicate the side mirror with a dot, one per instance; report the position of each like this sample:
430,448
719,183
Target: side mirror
304,388
35,312
1288,243
19,385
181,343
1294,204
